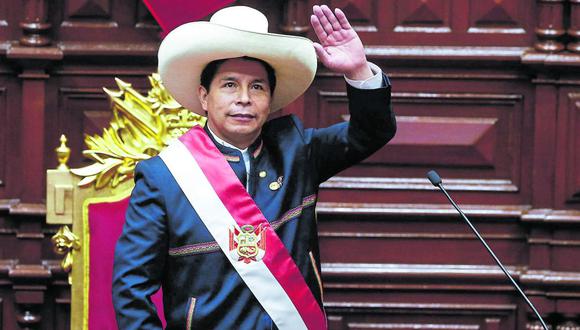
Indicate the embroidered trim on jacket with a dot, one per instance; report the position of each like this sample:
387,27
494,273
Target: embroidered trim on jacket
209,247
199,248
190,310
295,212
318,278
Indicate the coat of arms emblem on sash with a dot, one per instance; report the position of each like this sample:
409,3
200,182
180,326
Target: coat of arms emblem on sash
248,243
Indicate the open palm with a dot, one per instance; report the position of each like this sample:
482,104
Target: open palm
340,49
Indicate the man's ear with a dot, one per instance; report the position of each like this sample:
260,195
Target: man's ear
202,95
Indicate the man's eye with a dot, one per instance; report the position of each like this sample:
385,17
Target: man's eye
258,86
229,84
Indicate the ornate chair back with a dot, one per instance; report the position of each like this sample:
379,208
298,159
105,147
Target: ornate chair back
90,202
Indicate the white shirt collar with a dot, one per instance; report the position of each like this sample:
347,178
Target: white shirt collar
224,143
245,153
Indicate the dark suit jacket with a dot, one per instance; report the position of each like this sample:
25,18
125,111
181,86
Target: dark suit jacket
164,243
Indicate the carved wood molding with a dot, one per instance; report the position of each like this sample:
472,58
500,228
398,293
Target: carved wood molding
548,278
539,60
294,20
419,308
474,139
440,276
567,183
418,184
15,207
45,272
80,48
568,325
35,26
525,213
550,216
4,128
452,278
446,53
574,28
29,283
34,209
402,316
550,25
6,204
427,210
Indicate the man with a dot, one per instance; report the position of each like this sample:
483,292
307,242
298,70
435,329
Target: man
223,220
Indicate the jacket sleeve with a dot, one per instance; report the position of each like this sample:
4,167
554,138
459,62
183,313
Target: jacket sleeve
372,124
140,254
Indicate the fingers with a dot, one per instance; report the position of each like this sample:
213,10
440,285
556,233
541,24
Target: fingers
331,18
326,18
342,19
318,28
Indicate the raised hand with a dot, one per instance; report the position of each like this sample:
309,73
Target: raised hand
340,49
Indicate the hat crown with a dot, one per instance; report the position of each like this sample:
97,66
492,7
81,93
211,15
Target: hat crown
234,32
241,18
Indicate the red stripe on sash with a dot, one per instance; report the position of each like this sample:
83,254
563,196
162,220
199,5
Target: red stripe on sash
245,211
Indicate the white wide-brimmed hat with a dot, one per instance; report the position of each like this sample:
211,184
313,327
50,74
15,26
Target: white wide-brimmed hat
234,32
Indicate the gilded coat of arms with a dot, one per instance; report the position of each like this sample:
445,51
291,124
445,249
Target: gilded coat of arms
248,243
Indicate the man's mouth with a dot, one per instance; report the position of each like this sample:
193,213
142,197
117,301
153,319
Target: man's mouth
243,116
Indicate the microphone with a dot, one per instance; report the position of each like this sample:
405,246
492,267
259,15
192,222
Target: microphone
437,182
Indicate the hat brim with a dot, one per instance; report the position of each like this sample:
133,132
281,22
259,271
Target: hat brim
186,51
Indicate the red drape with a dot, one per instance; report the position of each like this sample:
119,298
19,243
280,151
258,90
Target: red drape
172,13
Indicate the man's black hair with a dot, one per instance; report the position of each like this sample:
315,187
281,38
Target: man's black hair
209,72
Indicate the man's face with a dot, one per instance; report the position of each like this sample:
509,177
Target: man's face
238,101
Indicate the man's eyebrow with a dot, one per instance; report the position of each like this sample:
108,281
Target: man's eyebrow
229,78
233,78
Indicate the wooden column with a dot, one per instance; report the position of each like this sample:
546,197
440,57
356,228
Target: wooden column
32,134
295,18
29,285
33,55
550,26
34,25
574,29
544,142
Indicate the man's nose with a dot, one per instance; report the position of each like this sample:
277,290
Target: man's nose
244,95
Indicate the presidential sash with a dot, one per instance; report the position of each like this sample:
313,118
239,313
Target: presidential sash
242,232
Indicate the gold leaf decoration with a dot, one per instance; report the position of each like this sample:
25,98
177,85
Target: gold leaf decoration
65,242
141,127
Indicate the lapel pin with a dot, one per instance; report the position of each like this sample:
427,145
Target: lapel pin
276,184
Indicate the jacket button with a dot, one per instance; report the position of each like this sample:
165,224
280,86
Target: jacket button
262,174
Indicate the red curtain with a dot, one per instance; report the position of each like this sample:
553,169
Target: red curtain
172,13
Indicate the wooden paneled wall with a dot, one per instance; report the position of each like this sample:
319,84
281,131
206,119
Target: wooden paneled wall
487,92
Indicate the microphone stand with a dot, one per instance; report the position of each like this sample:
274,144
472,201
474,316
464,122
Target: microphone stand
437,182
